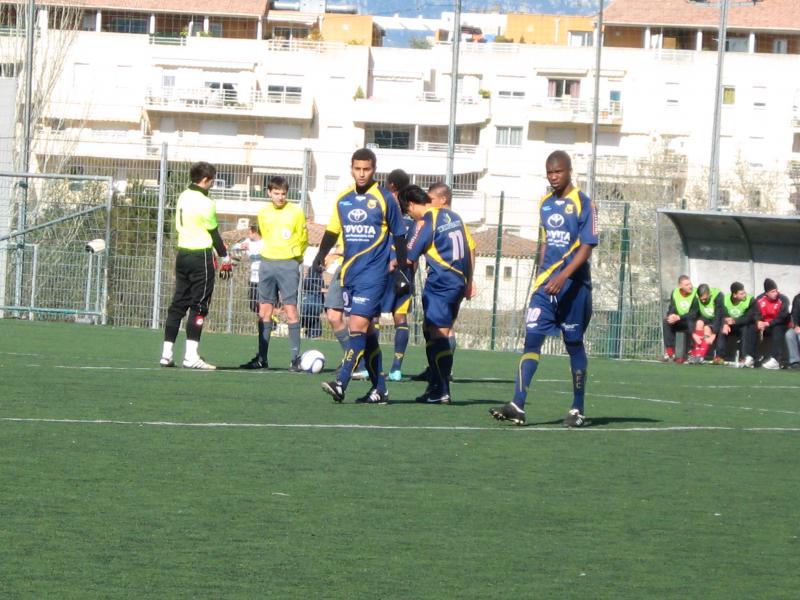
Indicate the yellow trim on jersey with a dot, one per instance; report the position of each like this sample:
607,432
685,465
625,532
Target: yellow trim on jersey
542,277
381,237
573,196
470,241
432,250
403,308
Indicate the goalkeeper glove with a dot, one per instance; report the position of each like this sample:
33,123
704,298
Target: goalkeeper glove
225,268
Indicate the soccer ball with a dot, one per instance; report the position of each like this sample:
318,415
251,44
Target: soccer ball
312,361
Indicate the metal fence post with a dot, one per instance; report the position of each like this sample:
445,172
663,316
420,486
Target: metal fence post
162,197
616,317
229,326
497,257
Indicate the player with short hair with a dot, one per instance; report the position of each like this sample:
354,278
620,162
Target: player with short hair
399,306
561,301
734,318
442,237
368,217
442,197
681,317
283,228
703,335
198,237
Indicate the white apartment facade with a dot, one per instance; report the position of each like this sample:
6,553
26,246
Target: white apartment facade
262,107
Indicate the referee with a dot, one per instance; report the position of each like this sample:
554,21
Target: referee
198,236
283,229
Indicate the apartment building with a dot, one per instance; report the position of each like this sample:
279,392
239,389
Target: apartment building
262,91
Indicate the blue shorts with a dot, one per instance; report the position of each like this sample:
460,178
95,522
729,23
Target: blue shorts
568,313
441,307
392,303
364,301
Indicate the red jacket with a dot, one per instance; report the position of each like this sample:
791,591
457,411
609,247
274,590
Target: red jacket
773,311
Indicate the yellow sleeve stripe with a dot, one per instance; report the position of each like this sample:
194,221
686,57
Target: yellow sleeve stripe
542,277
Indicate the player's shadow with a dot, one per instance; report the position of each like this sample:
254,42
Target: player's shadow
595,421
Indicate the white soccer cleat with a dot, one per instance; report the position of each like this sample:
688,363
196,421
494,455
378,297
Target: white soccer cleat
198,365
771,364
749,362
166,361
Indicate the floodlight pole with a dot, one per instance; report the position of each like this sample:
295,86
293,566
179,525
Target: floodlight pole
451,129
596,109
713,167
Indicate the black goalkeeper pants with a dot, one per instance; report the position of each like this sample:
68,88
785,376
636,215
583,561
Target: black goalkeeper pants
194,284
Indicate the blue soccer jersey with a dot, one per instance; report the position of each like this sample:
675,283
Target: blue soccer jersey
564,224
442,237
366,222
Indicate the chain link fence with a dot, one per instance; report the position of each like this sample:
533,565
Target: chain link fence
137,274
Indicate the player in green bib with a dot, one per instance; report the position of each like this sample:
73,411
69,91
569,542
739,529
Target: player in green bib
734,318
704,335
681,316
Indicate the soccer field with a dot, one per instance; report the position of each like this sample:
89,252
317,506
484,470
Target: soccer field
121,479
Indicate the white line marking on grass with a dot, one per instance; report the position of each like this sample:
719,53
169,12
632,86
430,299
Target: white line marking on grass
707,405
384,427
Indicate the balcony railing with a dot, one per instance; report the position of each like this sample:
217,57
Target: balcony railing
440,147
225,99
434,97
581,110
300,45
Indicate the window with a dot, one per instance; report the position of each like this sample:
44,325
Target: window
290,33
89,22
672,90
288,94
509,136
128,25
615,96
558,88
489,271
736,44
9,70
796,143
754,199
729,95
224,180
580,39
215,29
392,138
780,46
509,95
759,97
508,272
724,198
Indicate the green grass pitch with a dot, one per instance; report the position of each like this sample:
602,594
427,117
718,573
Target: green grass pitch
120,479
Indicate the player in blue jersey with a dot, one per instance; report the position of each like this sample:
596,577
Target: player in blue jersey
442,237
562,292
399,306
368,217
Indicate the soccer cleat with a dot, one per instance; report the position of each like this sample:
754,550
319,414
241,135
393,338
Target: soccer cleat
509,412
667,357
166,362
362,375
749,362
374,397
198,365
254,363
574,419
436,399
771,364
395,376
718,360
294,366
334,388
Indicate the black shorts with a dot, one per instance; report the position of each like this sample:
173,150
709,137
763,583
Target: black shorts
194,281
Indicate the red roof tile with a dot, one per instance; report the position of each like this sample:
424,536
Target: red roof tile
233,8
771,15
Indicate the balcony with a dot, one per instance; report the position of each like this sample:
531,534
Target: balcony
427,109
228,101
575,110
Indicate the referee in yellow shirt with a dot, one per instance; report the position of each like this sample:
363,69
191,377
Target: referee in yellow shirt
198,236
283,229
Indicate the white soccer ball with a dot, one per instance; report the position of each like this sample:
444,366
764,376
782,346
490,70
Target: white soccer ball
312,361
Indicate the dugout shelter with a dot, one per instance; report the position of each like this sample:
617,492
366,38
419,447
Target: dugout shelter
719,248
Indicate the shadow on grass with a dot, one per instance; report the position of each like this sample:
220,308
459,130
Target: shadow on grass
595,421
